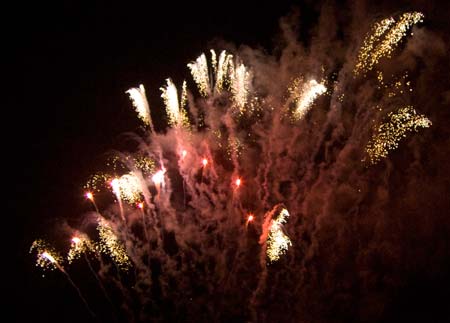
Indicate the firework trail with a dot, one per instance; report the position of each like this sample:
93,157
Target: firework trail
49,259
271,179
82,245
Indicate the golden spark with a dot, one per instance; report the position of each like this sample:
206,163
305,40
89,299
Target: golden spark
110,244
277,241
383,40
387,135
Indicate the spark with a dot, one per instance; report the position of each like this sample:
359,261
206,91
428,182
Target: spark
199,71
127,187
224,68
277,241
303,95
384,38
97,181
227,74
177,115
47,256
79,244
204,162
240,86
137,96
90,197
387,135
110,244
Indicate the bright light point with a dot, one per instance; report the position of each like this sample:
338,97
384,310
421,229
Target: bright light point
89,196
115,186
48,256
158,177
140,205
205,162
238,182
250,218
183,153
76,240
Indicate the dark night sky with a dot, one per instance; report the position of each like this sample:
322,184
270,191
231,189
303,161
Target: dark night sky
68,67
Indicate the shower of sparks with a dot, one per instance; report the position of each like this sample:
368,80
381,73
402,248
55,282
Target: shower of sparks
240,86
47,257
199,71
97,182
137,96
79,244
387,135
303,95
176,113
277,241
223,70
128,188
144,164
398,86
227,74
110,244
383,39
234,147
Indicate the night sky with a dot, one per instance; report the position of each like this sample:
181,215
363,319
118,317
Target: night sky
68,68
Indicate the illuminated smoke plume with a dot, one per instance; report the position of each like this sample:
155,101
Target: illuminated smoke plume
300,186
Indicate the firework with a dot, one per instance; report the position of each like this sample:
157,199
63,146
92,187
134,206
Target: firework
229,161
199,71
384,38
128,188
240,86
176,113
277,241
110,244
227,75
303,95
387,135
137,96
80,244
47,256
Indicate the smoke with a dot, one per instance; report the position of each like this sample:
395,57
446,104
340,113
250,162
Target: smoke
360,233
